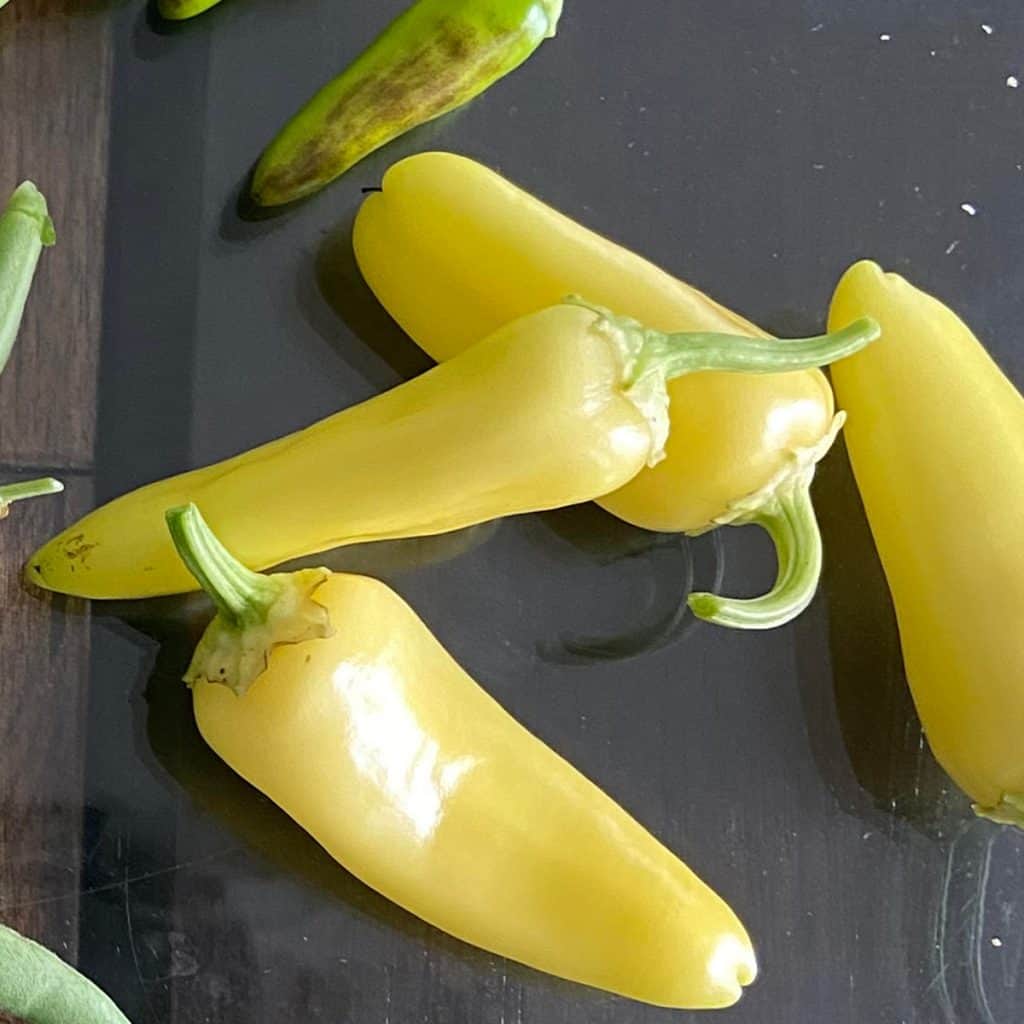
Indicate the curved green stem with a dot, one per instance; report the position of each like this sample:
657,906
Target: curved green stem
675,355
790,521
256,612
11,493
242,597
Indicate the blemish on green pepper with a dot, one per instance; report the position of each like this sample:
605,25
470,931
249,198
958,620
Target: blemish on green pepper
434,58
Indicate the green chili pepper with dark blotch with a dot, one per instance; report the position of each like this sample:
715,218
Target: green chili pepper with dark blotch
435,57
38,987
180,10
25,229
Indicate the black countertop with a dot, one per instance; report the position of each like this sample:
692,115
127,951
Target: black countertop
752,147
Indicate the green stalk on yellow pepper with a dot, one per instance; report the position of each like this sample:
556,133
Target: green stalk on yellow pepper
453,250
936,440
435,57
25,230
553,409
329,695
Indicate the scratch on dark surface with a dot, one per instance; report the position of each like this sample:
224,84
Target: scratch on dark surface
940,982
126,891
977,966
74,894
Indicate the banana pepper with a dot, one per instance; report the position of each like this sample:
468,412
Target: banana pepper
453,250
435,57
329,695
936,440
553,409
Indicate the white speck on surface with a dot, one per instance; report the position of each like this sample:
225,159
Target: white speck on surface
970,209
1013,82
818,27
997,942
818,167
987,29
933,52
951,248
885,37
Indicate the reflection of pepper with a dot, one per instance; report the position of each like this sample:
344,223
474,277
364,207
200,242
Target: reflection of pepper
435,57
936,441
350,715
554,409
25,229
453,250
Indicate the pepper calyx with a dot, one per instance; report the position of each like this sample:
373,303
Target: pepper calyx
256,613
647,391
797,472
1009,810
237,656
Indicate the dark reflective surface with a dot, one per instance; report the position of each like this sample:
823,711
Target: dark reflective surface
754,148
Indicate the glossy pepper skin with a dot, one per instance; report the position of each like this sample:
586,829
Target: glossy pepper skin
364,730
553,409
476,251
936,440
435,57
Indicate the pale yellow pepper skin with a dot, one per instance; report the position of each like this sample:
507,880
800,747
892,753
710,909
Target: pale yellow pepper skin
453,250
553,409
534,418
410,775
936,439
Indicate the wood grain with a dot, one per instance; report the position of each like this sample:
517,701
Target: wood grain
44,673
54,116
54,119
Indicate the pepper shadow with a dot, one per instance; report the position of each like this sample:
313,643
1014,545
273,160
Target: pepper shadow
877,722
348,297
676,565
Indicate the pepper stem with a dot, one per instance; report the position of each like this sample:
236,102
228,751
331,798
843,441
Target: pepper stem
676,355
242,597
256,612
790,521
30,489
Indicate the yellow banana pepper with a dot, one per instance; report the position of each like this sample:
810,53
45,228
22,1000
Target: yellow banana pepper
328,694
556,408
453,251
936,440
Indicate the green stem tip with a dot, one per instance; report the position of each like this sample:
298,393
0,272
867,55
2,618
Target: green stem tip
242,597
790,521
676,355
11,493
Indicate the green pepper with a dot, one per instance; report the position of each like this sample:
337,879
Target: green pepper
25,228
435,57
40,988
